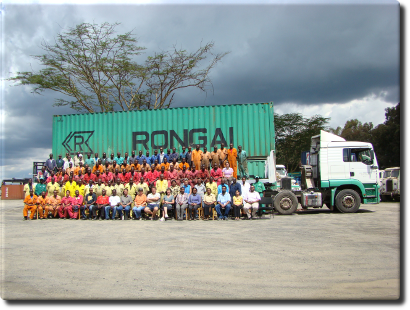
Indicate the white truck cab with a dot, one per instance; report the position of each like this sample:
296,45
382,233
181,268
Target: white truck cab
390,188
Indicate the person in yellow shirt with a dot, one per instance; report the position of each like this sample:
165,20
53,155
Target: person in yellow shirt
80,188
208,203
213,186
197,157
30,204
51,187
119,188
41,205
71,186
99,187
109,188
27,187
161,185
132,188
237,205
143,185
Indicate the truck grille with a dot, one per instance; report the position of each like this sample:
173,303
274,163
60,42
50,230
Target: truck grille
389,185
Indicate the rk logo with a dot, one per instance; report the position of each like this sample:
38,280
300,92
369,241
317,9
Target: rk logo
77,141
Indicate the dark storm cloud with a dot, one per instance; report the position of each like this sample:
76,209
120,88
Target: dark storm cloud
280,53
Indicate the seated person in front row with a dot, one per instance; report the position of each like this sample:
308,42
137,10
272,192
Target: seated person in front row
224,203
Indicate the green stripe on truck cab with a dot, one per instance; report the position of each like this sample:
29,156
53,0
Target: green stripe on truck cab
369,192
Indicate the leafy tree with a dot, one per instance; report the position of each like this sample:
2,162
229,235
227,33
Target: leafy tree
98,70
354,130
293,133
386,139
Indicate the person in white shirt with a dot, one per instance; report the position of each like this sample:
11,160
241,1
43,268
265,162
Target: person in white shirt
251,201
153,200
114,203
245,187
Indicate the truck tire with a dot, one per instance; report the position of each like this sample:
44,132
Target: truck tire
285,202
348,201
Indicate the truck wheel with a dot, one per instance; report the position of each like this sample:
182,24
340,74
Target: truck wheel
347,201
285,202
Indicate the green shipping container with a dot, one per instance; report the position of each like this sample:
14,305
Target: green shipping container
249,125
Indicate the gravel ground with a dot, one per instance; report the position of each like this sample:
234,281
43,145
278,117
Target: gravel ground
316,254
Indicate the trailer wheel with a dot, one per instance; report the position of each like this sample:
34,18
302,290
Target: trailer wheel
347,201
285,202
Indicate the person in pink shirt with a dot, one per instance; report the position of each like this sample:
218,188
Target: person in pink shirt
106,176
227,173
172,175
216,173
66,202
133,174
192,175
76,203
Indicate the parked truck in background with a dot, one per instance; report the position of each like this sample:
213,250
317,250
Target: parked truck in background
390,184
342,174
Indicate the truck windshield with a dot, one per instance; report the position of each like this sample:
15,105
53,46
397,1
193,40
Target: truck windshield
395,173
281,171
362,155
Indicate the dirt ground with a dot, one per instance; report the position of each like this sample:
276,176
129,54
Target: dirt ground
316,254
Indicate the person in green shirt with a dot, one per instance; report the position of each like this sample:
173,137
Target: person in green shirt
260,188
90,161
242,162
40,187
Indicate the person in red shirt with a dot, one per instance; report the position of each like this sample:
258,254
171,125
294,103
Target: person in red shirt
76,203
102,202
133,174
124,176
116,174
106,177
79,176
192,175
66,202
182,175
216,173
143,173
65,176
172,174
203,174
89,176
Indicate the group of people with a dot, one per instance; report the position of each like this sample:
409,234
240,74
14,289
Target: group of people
142,184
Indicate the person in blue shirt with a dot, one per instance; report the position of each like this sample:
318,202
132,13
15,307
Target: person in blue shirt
119,159
223,203
141,157
194,202
90,161
223,183
183,154
173,155
235,187
154,157
148,158
186,186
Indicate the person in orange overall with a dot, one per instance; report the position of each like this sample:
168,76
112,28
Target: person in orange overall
197,157
41,205
232,155
30,205
53,203
223,153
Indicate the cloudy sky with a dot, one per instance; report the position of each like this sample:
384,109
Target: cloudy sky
340,61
